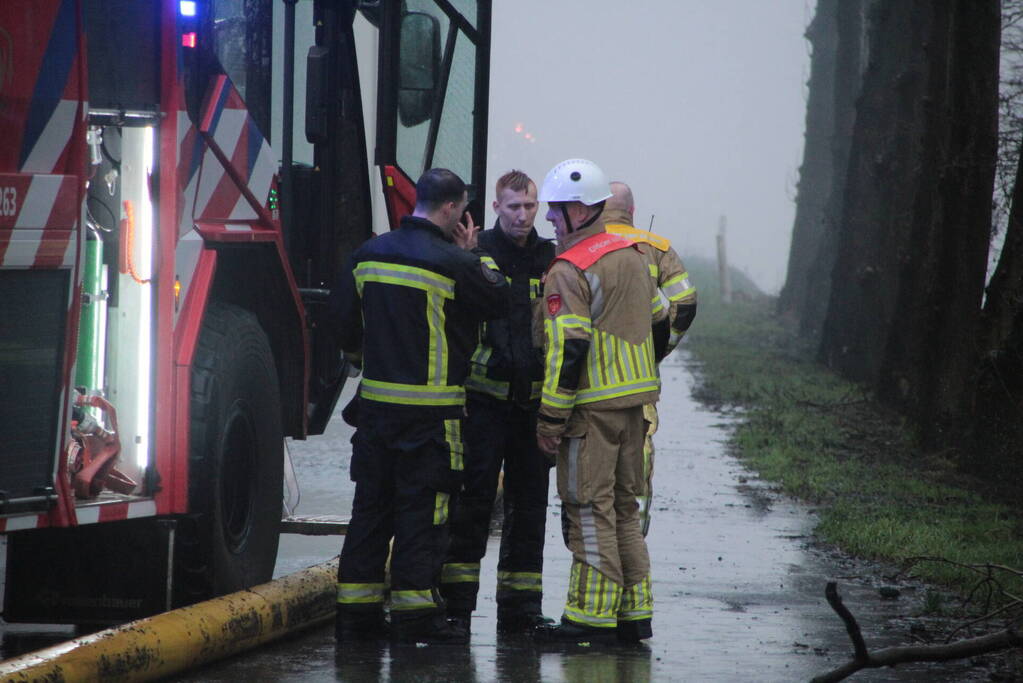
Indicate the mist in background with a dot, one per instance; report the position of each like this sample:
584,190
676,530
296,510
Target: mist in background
698,105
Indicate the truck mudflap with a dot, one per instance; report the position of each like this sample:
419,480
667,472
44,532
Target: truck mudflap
53,575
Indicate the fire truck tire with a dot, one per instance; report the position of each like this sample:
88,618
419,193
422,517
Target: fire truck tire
236,460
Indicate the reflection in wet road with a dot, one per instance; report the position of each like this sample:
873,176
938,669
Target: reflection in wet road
739,592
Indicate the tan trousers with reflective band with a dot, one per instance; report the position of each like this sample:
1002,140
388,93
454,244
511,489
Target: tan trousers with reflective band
647,497
600,474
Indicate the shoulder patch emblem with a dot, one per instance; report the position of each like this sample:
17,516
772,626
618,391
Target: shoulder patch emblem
489,274
554,304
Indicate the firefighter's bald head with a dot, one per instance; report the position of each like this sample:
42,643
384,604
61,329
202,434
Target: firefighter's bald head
621,197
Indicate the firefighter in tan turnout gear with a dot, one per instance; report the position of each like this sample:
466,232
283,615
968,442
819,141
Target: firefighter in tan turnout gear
600,325
673,282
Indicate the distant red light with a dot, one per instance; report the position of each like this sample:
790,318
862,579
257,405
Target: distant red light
189,39
518,127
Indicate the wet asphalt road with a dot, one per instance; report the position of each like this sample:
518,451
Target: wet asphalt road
738,583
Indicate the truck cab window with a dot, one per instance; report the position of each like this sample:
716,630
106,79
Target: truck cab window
305,38
234,38
242,44
437,88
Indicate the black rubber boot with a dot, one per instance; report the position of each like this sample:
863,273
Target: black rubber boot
460,619
634,631
360,626
569,633
517,621
434,628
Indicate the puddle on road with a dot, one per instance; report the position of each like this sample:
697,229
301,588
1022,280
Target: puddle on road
738,586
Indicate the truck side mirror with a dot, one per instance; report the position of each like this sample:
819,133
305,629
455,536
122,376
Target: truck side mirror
418,67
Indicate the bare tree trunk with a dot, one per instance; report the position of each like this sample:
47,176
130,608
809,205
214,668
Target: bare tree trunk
816,169
1005,292
932,345
909,275
997,429
883,180
850,62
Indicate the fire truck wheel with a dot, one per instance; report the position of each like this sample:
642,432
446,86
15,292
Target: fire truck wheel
236,464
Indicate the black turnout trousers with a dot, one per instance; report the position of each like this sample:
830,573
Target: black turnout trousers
499,432
404,476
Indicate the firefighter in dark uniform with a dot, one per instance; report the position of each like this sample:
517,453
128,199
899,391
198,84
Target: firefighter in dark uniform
503,395
410,303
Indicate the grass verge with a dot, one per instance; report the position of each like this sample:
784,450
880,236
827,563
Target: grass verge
826,441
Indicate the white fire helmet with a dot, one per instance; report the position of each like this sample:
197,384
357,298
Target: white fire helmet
575,180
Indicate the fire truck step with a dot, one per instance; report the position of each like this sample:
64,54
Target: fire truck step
315,525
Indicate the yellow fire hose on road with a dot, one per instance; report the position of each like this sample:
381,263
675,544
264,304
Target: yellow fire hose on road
186,638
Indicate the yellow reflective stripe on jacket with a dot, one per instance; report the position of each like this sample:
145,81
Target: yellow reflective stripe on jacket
593,599
654,270
360,593
627,357
437,288
535,389
437,365
460,572
456,447
656,304
578,321
637,235
405,276
534,287
482,354
519,581
490,263
678,287
555,331
637,602
409,600
412,394
556,400
616,391
617,368
479,382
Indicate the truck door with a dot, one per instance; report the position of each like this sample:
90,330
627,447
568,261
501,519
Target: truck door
42,104
432,98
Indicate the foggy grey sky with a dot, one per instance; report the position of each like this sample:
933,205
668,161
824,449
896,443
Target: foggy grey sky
697,104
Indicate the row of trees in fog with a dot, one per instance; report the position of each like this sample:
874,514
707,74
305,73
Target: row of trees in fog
910,182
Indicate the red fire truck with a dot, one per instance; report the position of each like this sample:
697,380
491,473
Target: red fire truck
180,181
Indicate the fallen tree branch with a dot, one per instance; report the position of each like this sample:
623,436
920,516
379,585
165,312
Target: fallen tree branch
985,570
890,656
835,600
987,617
